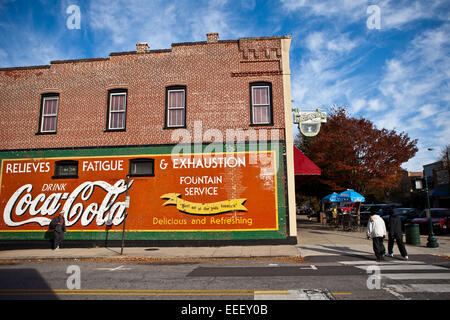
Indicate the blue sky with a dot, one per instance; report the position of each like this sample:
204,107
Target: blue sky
396,75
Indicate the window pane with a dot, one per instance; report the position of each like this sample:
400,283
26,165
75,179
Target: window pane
48,124
118,102
50,106
66,169
260,95
176,99
117,120
261,114
142,167
176,117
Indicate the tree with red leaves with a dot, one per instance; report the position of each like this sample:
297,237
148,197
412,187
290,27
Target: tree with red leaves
354,154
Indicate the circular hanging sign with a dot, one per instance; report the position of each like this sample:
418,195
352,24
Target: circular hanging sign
309,122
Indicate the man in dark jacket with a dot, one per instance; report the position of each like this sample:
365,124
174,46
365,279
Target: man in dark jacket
59,226
395,233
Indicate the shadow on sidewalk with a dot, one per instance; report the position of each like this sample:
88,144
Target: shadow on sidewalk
341,251
306,227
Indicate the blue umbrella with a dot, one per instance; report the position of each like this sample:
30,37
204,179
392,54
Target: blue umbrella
350,196
331,198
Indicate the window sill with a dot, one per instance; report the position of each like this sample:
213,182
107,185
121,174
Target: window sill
261,124
141,175
44,133
172,128
115,130
65,177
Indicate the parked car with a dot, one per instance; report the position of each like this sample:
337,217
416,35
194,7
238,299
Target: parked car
382,209
386,209
366,211
405,215
440,218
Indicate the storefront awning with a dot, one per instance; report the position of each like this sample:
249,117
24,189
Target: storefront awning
303,166
440,191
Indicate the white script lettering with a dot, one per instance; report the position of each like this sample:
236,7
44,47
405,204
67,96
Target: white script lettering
22,201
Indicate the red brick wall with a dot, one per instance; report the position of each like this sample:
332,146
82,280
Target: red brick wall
217,76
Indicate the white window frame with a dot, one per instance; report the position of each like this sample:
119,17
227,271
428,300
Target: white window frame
43,115
254,104
176,108
117,111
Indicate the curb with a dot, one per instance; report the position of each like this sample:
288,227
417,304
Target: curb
125,258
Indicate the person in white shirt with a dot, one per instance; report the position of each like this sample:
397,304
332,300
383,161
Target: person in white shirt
376,229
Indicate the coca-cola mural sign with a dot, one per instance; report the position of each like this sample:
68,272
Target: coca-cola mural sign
31,196
230,191
23,209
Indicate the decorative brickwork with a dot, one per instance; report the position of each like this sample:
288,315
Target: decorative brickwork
217,75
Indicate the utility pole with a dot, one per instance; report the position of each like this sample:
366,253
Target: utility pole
125,212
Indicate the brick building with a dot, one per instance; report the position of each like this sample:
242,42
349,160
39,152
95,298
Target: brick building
198,136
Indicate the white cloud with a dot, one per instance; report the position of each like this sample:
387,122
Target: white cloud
394,13
397,14
413,85
345,9
409,90
123,23
321,77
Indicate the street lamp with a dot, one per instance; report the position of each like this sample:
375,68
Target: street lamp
432,241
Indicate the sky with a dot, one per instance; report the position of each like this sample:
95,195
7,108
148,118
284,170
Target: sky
387,61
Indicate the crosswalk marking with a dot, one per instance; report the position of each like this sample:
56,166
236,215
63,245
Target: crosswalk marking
416,276
372,262
405,267
407,274
404,288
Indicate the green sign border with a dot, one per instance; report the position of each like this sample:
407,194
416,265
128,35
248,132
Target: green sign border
281,193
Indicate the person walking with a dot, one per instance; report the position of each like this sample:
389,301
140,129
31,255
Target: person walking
395,234
376,229
59,227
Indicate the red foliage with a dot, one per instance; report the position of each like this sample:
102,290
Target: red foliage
353,153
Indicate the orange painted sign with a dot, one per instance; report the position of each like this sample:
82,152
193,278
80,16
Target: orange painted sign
197,192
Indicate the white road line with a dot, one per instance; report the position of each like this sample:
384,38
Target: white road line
373,262
311,267
405,288
406,267
114,269
302,294
395,293
416,276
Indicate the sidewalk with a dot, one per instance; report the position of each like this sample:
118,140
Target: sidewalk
161,253
314,239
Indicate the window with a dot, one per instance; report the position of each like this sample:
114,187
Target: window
142,168
117,110
66,169
261,103
176,107
49,113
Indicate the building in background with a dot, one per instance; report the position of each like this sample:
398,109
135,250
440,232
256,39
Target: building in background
437,175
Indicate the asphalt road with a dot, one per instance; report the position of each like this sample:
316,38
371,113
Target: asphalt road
318,278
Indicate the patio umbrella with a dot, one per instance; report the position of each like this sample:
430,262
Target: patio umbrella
331,198
350,196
